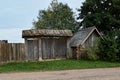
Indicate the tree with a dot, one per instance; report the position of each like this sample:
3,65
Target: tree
104,14
57,16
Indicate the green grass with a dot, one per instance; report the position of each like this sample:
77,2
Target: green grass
55,65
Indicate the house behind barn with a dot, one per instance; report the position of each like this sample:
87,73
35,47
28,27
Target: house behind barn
3,41
82,39
46,44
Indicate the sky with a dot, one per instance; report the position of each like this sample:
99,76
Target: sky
18,15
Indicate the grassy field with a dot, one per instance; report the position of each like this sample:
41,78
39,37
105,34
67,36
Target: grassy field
55,65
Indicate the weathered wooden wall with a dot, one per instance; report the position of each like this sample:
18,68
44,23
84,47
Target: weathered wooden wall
32,50
90,41
46,48
54,48
12,52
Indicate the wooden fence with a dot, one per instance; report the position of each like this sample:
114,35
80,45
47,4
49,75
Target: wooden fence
12,52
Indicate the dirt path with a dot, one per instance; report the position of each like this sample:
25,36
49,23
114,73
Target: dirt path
85,74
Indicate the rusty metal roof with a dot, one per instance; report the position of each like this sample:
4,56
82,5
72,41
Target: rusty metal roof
46,33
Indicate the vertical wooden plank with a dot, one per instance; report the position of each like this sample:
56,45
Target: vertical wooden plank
16,51
12,56
46,48
26,49
36,50
53,48
13,51
69,49
23,56
20,52
23,52
10,52
4,51
32,50
18,48
40,49
33,47
7,52
0,52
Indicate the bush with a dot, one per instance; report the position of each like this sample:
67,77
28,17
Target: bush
108,49
91,54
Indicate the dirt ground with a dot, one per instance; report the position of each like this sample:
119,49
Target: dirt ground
84,74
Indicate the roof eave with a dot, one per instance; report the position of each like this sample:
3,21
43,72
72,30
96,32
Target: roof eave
90,34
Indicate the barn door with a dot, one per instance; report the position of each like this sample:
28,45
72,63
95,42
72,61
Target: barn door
33,50
54,48
60,48
47,48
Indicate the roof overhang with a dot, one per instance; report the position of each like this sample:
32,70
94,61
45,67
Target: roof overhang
46,33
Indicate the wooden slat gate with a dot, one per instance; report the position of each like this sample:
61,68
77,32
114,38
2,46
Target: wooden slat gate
54,48
33,50
12,52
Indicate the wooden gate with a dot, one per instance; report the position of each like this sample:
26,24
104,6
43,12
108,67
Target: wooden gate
54,48
47,48
33,50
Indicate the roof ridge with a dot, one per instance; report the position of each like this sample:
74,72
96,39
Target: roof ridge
87,28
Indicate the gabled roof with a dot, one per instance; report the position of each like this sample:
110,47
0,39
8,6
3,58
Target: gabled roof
82,35
46,33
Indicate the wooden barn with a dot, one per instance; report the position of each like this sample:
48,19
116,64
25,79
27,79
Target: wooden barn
82,39
46,44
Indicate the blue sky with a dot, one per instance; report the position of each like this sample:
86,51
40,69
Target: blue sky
17,15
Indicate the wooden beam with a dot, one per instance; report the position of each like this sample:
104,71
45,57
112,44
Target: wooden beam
40,50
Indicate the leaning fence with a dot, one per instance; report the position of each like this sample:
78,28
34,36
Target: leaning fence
12,52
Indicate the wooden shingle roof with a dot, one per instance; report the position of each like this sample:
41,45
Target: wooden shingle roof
81,36
46,33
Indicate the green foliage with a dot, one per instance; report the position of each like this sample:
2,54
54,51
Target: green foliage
108,49
57,16
91,55
92,52
104,14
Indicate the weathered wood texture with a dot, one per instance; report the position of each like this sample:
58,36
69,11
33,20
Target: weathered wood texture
46,48
90,41
44,32
54,48
32,50
12,52
46,44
